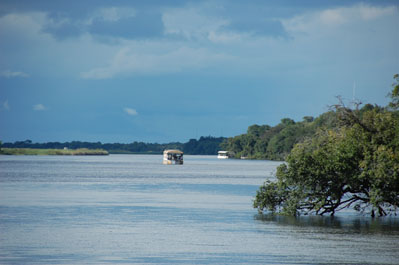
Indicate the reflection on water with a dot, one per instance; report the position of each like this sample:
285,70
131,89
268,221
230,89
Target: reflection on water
131,209
342,224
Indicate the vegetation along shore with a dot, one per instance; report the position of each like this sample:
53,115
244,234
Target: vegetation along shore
354,164
35,151
205,145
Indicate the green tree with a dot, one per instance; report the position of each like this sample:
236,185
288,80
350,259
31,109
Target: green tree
308,119
394,95
355,165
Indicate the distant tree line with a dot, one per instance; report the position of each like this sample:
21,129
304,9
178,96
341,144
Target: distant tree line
203,146
260,141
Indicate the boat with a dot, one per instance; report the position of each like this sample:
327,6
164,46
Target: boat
171,157
223,154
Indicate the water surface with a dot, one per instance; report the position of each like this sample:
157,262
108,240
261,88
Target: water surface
124,209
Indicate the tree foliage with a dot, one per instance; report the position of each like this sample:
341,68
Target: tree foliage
353,165
205,145
394,95
275,143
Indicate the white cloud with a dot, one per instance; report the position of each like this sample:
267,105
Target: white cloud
191,22
370,12
114,14
128,61
39,107
25,45
24,25
130,111
225,37
11,74
5,105
335,17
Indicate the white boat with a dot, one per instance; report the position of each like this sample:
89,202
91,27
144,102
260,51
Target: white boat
171,157
223,154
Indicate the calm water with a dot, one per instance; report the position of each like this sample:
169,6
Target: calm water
124,209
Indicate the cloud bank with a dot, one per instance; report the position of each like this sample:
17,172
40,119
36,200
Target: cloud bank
112,42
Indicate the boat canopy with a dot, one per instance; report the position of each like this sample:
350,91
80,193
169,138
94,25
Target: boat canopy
172,151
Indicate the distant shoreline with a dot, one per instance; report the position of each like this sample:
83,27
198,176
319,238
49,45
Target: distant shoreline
205,145
62,152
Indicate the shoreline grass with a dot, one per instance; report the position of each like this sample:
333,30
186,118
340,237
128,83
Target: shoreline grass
33,151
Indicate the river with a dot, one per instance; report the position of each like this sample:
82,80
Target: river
131,209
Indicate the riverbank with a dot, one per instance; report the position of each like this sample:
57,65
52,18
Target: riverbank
33,151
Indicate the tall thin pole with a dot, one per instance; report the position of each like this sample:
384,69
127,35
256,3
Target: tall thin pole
354,92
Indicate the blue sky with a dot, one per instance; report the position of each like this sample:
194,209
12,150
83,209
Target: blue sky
162,71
